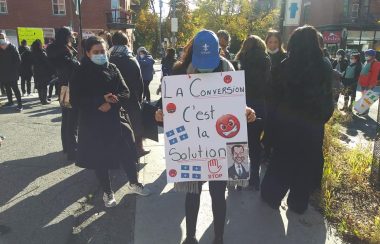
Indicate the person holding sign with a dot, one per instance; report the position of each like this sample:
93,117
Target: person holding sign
201,55
301,104
99,92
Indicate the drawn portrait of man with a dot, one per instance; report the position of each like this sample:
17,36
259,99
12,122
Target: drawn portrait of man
237,171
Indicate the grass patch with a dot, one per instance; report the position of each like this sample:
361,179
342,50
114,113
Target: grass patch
347,199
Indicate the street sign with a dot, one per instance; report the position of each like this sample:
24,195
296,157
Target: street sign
292,13
174,24
332,37
76,6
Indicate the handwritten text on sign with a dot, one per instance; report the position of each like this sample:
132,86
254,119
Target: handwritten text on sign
205,127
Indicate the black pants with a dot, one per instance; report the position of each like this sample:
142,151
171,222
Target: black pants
42,93
103,176
217,192
146,90
9,86
26,81
350,91
255,131
2,88
69,130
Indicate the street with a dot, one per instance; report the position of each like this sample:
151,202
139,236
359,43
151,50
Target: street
45,199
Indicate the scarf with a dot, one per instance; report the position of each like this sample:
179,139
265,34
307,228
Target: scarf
120,49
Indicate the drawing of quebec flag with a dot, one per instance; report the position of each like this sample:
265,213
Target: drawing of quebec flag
193,172
180,132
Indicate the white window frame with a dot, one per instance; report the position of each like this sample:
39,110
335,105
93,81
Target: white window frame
355,10
58,3
4,3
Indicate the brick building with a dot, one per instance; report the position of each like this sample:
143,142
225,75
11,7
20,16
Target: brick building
97,15
349,24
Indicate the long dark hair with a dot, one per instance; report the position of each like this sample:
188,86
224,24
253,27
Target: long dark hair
308,77
36,46
62,36
252,42
186,57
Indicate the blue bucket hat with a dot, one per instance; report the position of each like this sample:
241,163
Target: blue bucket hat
370,52
206,50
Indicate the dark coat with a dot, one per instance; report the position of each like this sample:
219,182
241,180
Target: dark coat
9,64
63,60
146,65
167,66
276,59
295,126
103,139
256,65
342,63
42,69
26,62
130,70
358,69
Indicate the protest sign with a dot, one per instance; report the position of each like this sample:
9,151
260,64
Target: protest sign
205,127
366,101
30,35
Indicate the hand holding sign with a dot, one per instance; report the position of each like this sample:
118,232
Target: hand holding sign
213,166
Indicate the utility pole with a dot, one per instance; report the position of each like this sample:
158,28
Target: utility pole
80,20
174,18
160,31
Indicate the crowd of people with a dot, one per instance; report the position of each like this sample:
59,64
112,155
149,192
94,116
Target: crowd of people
290,95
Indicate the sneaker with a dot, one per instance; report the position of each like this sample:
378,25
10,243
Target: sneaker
19,108
190,240
138,188
8,104
109,200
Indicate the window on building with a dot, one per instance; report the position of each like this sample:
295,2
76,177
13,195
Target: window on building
59,7
355,10
3,7
364,8
346,8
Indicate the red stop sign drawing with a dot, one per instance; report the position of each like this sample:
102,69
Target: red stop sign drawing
227,79
173,173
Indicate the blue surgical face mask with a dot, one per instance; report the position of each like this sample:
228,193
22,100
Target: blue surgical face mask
99,59
205,70
3,42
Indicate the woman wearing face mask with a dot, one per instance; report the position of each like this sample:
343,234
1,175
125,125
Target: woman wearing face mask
194,61
370,72
350,81
146,62
340,63
274,48
99,92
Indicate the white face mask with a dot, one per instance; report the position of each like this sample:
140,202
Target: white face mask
273,51
352,61
142,56
368,58
339,56
3,42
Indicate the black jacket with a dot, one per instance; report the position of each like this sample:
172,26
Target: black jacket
295,126
130,70
9,64
42,68
342,63
257,65
167,66
103,140
276,59
63,60
26,61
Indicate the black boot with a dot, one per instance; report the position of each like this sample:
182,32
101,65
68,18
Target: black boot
190,240
218,240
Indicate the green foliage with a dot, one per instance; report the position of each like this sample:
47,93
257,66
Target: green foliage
146,29
347,199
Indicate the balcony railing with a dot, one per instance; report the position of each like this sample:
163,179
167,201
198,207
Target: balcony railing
119,19
371,19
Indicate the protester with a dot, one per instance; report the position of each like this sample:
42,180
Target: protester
25,68
369,74
62,56
350,81
122,57
106,37
302,103
255,62
340,63
9,70
168,61
224,42
196,61
146,62
43,71
275,49
99,92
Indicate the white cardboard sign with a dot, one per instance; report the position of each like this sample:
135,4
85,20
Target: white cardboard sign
205,127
